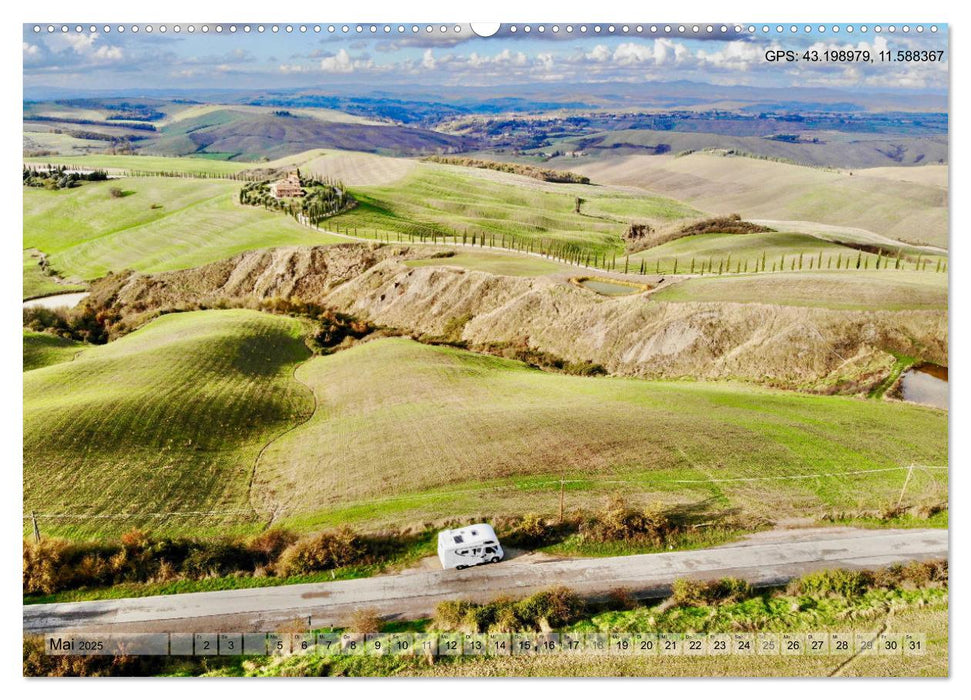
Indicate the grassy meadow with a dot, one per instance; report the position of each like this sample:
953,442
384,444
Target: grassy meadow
168,419
894,290
173,223
778,251
214,411
915,212
407,432
188,166
43,349
450,200
37,283
352,168
497,263
179,416
158,224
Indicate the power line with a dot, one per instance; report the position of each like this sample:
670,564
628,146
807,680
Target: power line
84,516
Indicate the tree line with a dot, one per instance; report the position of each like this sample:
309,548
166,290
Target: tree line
545,174
58,177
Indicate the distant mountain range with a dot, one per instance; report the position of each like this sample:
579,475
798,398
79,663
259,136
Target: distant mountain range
530,97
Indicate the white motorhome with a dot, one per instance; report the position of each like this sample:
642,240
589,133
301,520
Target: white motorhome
468,546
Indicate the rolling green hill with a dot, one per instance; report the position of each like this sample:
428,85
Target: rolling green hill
782,250
43,349
179,416
166,420
870,290
37,283
159,224
831,148
449,200
407,432
188,166
915,212
246,135
351,168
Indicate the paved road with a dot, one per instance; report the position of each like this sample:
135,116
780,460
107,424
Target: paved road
768,558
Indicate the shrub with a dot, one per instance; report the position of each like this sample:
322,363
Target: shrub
116,193
916,574
326,550
453,614
365,621
585,368
555,607
454,327
534,357
85,323
621,599
838,582
268,546
545,610
217,559
620,522
46,565
530,531
637,231
532,171
685,592
135,538
732,223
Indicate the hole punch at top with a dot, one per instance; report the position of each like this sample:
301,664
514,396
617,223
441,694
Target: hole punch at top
485,29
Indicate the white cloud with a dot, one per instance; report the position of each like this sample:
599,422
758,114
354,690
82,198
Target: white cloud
30,49
629,54
508,57
84,44
428,60
109,53
545,60
737,55
667,51
81,43
503,58
341,63
599,53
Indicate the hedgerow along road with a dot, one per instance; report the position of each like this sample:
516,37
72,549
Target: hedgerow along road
764,559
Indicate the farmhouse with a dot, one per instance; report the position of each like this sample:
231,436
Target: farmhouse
288,186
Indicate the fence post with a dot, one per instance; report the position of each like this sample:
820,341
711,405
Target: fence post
561,500
33,519
910,471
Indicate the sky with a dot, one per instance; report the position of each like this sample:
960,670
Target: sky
80,58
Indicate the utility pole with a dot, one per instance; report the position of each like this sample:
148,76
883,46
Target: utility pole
561,500
33,518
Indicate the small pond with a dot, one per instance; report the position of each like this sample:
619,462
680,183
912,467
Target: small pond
926,384
609,289
69,300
